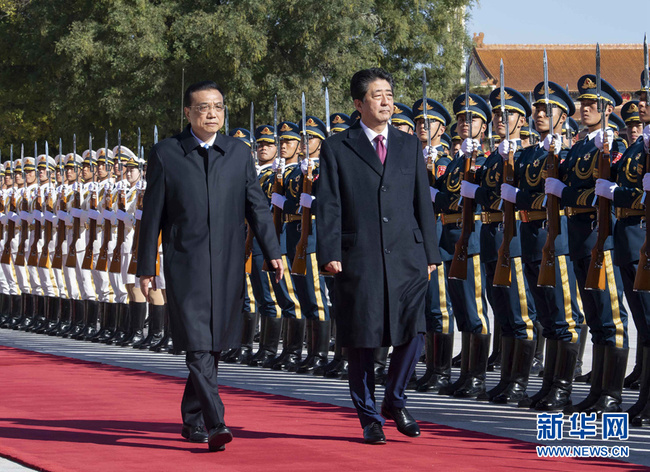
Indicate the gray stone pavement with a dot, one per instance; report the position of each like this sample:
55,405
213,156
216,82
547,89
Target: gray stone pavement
505,421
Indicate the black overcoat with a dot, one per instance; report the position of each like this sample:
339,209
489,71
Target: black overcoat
378,221
202,220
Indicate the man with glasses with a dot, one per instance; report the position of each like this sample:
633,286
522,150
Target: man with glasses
201,187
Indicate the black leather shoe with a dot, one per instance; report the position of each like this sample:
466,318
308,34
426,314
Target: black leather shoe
374,434
194,434
218,438
406,424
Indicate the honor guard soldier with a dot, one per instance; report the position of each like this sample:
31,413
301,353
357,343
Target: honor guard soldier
5,291
402,118
439,340
633,124
271,175
467,299
604,310
556,304
507,291
627,194
339,122
12,303
310,288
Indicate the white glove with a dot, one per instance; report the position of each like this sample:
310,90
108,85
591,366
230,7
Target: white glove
557,142
93,187
26,216
468,190
554,187
646,182
470,145
110,216
76,187
119,186
138,214
509,193
141,185
94,215
278,200
305,163
605,188
434,193
278,163
430,151
646,136
506,146
601,138
49,216
306,199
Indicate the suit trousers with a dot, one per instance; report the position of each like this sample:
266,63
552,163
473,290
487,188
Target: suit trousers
201,402
361,378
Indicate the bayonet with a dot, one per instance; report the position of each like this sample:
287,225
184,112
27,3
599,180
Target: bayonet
275,126
425,107
504,114
304,126
530,120
253,141
468,114
646,86
600,103
327,113
47,164
227,123
11,165
107,165
155,134
549,112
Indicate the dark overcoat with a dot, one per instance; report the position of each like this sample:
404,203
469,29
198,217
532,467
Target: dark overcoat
378,221
200,200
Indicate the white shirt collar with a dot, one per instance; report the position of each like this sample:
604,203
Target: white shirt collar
372,134
592,135
209,142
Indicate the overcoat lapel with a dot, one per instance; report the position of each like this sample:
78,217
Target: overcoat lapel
393,163
358,142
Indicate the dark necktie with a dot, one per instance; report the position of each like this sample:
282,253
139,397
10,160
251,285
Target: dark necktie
380,148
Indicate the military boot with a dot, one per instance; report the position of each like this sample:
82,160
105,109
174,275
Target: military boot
537,366
639,413
295,338
66,318
109,325
42,315
550,359
54,313
293,367
611,395
559,396
4,314
464,366
507,360
269,341
339,364
381,365
597,364
428,362
138,312
524,352
583,340
29,313
156,327
123,329
166,342
494,361
475,382
320,332
16,311
632,380
91,329
443,346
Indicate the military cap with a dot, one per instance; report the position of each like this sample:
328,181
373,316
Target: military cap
435,111
402,115
354,117
556,95
28,164
242,134
104,156
630,112
264,134
73,159
514,101
2,169
89,157
315,127
445,140
587,88
527,133
477,106
339,122
643,84
616,122
46,162
18,165
123,154
288,130
134,161
453,133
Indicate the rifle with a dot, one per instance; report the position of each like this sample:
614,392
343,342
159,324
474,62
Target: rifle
24,226
133,264
546,277
11,225
502,274
299,265
531,135
33,259
458,268
71,260
92,224
431,165
642,278
102,259
596,275
248,246
44,260
116,260
57,259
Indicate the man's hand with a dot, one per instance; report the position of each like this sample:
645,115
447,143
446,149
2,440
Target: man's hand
432,268
333,267
279,269
145,281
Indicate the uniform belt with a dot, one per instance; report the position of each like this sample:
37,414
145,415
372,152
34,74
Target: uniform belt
627,213
292,218
455,218
535,215
572,211
488,217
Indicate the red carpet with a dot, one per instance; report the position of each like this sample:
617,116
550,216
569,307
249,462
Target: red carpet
61,414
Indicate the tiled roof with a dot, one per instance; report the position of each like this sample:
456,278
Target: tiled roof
621,64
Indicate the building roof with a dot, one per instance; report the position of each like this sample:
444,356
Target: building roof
621,64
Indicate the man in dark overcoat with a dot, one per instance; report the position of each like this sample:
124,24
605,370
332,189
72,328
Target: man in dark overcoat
377,235
201,188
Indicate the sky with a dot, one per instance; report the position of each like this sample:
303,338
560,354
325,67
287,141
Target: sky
571,21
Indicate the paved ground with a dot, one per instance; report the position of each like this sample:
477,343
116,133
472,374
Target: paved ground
506,421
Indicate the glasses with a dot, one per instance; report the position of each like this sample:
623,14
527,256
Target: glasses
203,108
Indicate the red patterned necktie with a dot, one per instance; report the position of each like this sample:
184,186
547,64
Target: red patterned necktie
380,148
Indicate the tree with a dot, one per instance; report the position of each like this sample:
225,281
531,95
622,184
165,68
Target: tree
80,66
